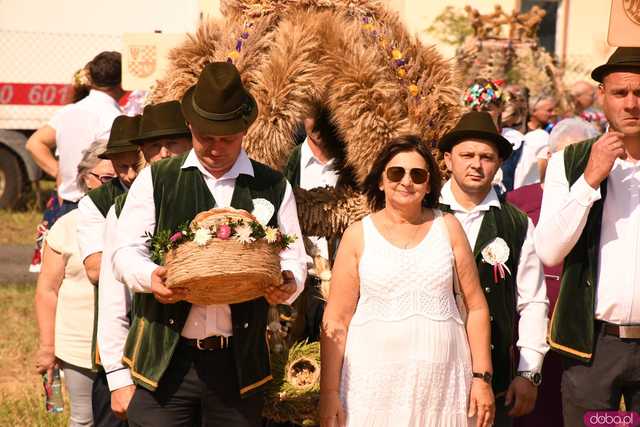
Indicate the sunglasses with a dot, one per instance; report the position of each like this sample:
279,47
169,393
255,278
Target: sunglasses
418,175
103,178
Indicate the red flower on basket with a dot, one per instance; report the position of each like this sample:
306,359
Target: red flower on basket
223,232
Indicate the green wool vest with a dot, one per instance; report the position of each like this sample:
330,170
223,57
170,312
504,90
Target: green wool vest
103,197
179,195
510,224
292,169
572,322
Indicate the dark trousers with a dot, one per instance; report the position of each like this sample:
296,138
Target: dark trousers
614,372
103,416
198,388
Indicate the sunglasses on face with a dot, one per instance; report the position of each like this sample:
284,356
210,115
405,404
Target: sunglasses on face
103,178
418,175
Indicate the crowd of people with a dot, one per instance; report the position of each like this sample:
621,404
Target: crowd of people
444,300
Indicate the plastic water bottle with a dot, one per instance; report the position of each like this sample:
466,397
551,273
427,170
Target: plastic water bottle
53,401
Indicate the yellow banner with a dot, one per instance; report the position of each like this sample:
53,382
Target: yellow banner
145,58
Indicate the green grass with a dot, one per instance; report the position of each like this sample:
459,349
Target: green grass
21,401
19,227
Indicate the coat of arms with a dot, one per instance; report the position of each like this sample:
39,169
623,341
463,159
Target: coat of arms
142,60
632,9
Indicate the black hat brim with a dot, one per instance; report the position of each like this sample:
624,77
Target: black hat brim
106,155
217,127
599,73
452,138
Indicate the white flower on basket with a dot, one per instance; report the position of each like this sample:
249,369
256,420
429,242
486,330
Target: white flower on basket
496,254
202,236
271,234
243,233
263,210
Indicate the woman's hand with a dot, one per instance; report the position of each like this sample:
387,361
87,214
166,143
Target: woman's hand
482,403
46,361
331,410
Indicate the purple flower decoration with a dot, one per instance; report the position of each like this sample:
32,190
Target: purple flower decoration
177,236
244,35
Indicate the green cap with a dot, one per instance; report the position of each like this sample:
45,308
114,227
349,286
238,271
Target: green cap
160,121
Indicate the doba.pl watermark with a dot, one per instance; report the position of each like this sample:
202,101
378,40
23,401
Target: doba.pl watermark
611,418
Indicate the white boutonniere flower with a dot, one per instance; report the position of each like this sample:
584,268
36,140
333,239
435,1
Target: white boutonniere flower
496,253
202,236
263,210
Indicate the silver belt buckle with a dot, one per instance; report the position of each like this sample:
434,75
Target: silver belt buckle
629,331
198,346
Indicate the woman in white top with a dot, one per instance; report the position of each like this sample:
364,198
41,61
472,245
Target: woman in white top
395,351
64,298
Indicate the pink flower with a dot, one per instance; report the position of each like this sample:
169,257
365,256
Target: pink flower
223,232
177,236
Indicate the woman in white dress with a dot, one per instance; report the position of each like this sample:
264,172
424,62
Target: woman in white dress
395,351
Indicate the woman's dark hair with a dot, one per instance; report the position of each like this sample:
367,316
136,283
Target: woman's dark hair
402,144
106,69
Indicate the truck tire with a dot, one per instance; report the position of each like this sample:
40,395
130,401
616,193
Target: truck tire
12,180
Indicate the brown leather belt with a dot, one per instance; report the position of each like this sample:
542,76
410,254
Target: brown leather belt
214,342
622,331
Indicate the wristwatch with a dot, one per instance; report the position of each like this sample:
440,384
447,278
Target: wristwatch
484,376
534,377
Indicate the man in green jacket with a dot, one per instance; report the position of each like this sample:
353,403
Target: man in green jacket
510,272
590,220
196,363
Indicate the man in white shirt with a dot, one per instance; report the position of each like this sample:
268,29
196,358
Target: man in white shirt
74,127
312,164
590,219
193,363
510,272
162,134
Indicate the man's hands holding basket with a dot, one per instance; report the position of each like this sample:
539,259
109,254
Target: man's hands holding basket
273,294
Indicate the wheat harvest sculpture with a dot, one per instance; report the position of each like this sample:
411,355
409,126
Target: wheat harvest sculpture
377,80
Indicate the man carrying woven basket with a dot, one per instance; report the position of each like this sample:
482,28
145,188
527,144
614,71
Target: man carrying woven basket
192,363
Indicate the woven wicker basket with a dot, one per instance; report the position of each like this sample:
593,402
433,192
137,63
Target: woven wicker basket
223,271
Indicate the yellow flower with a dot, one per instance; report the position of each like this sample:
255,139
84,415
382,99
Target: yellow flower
271,234
414,90
233,54
401,72
367,27
396,54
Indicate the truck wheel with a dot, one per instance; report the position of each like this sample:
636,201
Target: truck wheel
12,180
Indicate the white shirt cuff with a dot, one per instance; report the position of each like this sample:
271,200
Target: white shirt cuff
583,193
530,360
118,379
299,274
143,276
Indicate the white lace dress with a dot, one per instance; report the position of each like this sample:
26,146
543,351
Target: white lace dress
407,359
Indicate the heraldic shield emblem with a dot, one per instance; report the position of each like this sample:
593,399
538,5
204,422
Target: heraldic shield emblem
632,9
143,60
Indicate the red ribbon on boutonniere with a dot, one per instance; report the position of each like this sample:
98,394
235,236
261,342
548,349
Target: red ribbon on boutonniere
496,254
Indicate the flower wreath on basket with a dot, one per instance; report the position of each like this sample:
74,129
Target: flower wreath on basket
224,255
245,230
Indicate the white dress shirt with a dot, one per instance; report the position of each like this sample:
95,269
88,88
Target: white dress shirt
313,174
114,302
77,126
563,217
536,147
131,258
91,226
532,301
